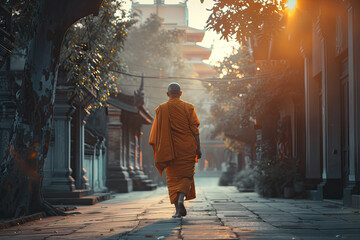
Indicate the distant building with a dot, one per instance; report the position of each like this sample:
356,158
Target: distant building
175,16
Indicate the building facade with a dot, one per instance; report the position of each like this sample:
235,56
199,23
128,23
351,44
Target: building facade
327,37
330,45
125,169
82,160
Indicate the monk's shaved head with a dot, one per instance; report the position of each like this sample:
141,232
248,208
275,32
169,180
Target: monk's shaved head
174,90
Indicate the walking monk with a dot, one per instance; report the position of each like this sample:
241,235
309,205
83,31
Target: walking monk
175,139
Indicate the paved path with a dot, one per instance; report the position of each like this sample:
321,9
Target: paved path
216,213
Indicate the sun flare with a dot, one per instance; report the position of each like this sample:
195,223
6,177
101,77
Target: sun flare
291,7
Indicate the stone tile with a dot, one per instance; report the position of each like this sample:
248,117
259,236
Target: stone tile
250,225
217,213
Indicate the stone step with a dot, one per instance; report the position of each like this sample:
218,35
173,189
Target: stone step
73,194
146,181
86,200
355,201
151,186
146,187
313,195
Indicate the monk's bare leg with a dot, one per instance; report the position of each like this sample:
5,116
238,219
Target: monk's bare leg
182,209
177,214
179,205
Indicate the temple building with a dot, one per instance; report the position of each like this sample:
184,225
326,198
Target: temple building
126,116
90,154
175,16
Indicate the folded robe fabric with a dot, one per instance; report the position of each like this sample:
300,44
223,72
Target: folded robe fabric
172,136
160,138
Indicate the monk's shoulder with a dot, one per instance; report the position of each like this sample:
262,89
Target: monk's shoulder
189,105
161,106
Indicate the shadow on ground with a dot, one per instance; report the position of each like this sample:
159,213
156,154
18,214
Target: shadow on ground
152,229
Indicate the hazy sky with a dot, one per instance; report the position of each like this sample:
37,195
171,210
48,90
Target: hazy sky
198,14
197,11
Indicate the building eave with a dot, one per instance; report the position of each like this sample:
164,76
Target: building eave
123,106
187,29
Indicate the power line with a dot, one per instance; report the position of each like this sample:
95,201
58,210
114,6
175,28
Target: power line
192,78
157,87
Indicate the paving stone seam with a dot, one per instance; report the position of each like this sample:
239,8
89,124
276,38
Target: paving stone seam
64,234
123,235
220,220
289,213
258,216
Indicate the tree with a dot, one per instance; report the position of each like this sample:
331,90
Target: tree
244,19
154,51
22,169
228,110
247,93
93,47
259,21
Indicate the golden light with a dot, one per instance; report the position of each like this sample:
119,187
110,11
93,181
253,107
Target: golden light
291,6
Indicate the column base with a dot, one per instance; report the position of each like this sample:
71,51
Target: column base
118,180
350,190
60,181
132,173
101,190
141,182
59,185
329,189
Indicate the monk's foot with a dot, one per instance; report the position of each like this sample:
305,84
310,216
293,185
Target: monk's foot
182,209
176,215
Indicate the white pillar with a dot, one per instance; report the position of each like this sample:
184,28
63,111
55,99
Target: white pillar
331,112
117,178
57,174
354,90
312,109
331,187
81,181
354,100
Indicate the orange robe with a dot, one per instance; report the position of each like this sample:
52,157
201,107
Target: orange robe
172,137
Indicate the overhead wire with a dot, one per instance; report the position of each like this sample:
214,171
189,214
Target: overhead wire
157,87
209,80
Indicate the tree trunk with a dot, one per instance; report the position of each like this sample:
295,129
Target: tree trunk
21,171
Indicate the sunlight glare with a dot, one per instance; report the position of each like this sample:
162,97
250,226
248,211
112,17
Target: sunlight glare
291,5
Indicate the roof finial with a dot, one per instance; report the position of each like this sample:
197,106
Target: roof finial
139,94
142,83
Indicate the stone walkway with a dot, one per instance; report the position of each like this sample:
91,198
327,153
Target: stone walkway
216,213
